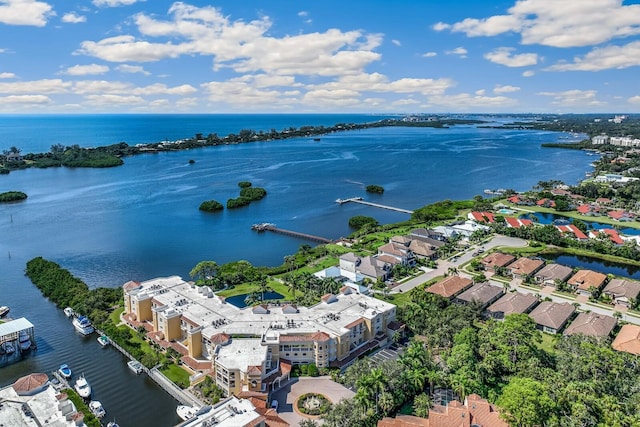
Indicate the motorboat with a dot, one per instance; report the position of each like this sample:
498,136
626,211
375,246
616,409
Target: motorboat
68,312
9,348
104,340
186,412
83,325
112,424
82,387
97,409
4,310
25,341
135,366
65,371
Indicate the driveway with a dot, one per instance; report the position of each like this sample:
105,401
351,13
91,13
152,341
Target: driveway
288,395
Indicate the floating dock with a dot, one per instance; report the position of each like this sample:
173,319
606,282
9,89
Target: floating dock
267,226
375,205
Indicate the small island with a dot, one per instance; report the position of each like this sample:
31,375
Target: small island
375,189
211,206
248,194
12,196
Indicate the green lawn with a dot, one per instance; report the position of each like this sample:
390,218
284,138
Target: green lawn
548,343
575,215
176,374
115,315
246,288
144,344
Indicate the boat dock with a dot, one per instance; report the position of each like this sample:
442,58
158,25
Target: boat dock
375,205
267,226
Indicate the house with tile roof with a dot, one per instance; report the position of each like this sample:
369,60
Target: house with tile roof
620,215
607,233
622,291
397,252
450,287
592,324
524,267
517,222
551,317
588,209
583,281
571,230
481,216
512,303
546,203
482,294
552,273
628,339
497,260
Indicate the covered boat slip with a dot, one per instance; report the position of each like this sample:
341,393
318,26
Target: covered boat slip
10,331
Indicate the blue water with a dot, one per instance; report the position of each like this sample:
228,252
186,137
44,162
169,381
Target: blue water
141,220
239,300
599,265
548,218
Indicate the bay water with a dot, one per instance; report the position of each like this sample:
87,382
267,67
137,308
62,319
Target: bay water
141,220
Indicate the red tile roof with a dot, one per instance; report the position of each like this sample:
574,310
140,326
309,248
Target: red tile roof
450,286
613,236
30,382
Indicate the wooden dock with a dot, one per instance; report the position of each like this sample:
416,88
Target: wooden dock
375,205
267,226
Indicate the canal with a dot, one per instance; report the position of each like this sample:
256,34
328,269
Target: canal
596,264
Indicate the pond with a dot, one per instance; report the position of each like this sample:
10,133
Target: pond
549,218
595,264
240,300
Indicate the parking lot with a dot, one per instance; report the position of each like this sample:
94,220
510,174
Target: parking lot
391,353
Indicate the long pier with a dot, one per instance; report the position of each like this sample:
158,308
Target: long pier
375,205
272,227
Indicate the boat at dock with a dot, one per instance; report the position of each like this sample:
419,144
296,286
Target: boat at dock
83,325
186,412
4,310
82,387
112,424
263,226
65,371
104,340
97,409
135,366
68,312
25,341
8,348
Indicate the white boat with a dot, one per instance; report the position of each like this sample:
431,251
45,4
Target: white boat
83,325
103,340
9,348
68,312
25,341
82,387
112,424
186,412
65,371
96,408
135,366
4,310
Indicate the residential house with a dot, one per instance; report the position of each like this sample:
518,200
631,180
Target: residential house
356,268
592,324
622,291
424,249
396,252
560,192
464,229
550,274
519,200
482,294
426,233
584,281
512,303
551,317
588,210
572,230
475,411
620,215
481,216
608,233
628,339
546,203
524,267
517,222
450,287
497,260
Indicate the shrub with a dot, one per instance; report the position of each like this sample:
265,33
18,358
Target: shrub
375,189
211,206
360,221
244,184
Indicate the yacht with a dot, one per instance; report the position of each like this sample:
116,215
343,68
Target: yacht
186,412
83,325
82,387
112,424
65,371
68,312
97,409
135,366
25,341
4,310
103,340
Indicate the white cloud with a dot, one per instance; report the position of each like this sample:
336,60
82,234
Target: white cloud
114,3
132,69
505,89
574,98
402,102
73,18
158,103
504,56
332,98
83,87
25,12
242,94
480,92
376,82
568,23
25,99
85,70
528,73
7,75
111,100
462,52
158,88
303,13
429,54
466,101
36,86
634,100
396,42
603,58
242,46
186,103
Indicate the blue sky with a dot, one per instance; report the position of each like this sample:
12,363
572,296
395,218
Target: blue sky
236,56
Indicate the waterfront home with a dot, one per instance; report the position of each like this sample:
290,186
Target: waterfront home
546,203
426,233
571,230
396,252
592,324
524,267
628,339
481,216
464,229
584,281
588,209
512,303
249,349
551,317
517,222
356,268
482,294
620,215
497,260
622,291
44,405
450,287
608,233
520,200
233,412
475,411
550,274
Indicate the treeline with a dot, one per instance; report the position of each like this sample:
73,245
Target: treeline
441,211
12,196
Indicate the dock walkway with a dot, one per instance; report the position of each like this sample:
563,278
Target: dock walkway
267,226
375,205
